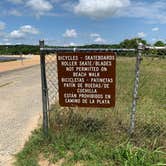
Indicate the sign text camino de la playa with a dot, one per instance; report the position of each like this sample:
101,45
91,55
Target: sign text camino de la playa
86,79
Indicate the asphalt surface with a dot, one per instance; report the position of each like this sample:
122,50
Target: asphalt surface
20,109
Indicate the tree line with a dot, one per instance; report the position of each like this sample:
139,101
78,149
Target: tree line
18,49
34,49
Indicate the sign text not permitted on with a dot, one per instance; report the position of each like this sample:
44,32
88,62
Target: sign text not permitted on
86,79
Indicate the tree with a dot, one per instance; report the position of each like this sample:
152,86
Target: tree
159,44
19,49
132,43
160,53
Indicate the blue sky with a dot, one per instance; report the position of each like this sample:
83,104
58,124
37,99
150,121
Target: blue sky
76,22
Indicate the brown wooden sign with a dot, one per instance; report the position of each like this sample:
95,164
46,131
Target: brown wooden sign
86,79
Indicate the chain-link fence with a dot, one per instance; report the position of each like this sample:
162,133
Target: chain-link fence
52,75
144,123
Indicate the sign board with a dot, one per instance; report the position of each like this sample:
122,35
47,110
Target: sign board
86,79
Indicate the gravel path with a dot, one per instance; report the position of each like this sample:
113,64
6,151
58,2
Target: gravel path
20,109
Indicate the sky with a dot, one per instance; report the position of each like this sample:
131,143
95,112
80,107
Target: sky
79,22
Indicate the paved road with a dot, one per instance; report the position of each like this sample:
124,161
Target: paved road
20,107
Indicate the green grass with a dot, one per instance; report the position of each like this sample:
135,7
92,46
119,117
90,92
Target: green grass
88,149
99,137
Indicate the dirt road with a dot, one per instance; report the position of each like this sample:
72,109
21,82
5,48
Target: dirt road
20,108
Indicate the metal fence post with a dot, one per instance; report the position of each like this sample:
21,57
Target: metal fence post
135,91
44,89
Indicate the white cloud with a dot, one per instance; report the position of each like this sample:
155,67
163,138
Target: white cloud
99,40
72,44
155,29
153,12
2,26
141,35
29,29
8,43
17,34
23,31
5,39
39,6
70,33
14,12
57,1
35,7
69,44
100,8
2,34
94,35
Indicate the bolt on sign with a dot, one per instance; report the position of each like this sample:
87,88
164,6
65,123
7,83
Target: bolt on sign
86,79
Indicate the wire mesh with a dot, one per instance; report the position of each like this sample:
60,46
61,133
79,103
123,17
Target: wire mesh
150,128
150,125
52,78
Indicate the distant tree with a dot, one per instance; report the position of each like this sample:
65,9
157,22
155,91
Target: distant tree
159,44
132,43
19,49
160,53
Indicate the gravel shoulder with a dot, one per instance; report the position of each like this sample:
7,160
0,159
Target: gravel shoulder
20,109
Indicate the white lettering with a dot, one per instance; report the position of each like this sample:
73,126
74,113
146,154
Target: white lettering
79,74
67,58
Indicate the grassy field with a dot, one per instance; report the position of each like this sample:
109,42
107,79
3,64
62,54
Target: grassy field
99,137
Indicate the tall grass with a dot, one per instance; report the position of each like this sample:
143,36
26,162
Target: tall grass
99,137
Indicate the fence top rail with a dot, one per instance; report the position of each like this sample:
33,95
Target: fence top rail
55,50
155,48
85,50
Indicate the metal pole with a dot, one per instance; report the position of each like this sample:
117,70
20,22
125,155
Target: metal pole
44,89
136,85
